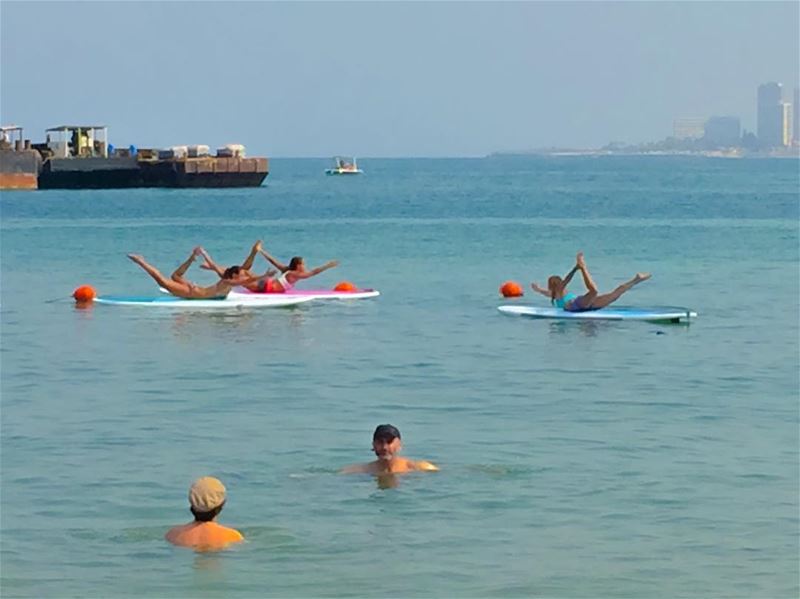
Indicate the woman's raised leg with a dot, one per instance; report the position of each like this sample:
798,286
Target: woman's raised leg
159,278
586,300
177,276
601,301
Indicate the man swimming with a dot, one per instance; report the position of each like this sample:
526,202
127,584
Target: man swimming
206,500
178,285
386,444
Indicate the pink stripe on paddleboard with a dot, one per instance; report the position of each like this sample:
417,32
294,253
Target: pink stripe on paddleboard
303,292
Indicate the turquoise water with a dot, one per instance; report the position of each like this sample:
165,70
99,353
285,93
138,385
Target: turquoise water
596,460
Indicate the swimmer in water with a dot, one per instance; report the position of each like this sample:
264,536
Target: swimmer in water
591,300
386,444
206,500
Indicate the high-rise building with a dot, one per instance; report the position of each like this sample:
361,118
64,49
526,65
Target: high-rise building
770,115
796,117
786,136
688,128
723,131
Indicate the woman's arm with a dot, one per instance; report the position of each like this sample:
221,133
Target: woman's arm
569,276
273,261
315,271
248,262
210,264
538,289
245,281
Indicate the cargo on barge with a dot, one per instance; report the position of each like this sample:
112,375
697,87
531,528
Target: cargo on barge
80,157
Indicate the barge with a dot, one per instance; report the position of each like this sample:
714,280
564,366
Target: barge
19,163
80,157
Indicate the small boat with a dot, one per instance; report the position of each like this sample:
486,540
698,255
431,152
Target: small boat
343,165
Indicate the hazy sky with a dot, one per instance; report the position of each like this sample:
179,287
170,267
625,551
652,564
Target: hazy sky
389,78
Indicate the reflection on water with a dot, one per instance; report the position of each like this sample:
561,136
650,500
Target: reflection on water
387,481
592,328
587,328
208,561
189,325
208,574
236,323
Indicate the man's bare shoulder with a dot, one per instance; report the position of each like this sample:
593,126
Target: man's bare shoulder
425,465
207,536
174,534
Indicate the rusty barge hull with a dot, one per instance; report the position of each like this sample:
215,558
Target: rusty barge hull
19,169
128,172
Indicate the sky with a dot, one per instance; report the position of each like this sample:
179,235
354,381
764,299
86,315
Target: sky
389,79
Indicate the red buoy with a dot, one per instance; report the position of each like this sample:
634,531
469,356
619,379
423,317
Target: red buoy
84,293
345,286
511,289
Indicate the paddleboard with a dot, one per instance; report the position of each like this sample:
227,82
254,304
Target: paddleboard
246,294
647,314
270,301
309,293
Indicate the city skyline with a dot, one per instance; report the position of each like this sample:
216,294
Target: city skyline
776,121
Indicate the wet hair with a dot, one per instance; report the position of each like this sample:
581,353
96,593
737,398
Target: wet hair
553,284
386,432
294,262
206,516
231,272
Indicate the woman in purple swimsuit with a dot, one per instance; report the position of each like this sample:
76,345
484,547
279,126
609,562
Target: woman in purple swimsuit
592,299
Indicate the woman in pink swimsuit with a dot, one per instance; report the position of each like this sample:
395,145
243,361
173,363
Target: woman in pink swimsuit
295,271
285,281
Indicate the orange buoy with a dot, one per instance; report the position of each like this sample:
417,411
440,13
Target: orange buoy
84,293
345,286
511,289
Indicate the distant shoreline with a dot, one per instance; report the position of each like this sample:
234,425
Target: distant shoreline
730,153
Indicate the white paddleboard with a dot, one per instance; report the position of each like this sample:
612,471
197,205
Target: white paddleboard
170,301
329,294
241,292
647,314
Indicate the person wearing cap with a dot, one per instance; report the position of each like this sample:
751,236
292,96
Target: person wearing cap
206,499
386,444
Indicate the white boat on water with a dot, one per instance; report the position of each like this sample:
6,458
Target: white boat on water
344,165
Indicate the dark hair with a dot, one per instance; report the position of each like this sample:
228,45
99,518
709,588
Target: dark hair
206,516
386,432
294,262
231,272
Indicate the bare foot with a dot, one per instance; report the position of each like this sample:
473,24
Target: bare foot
641,276
198,251
136,258
257,246
579,261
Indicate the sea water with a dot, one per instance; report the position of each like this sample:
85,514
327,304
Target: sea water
603,459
